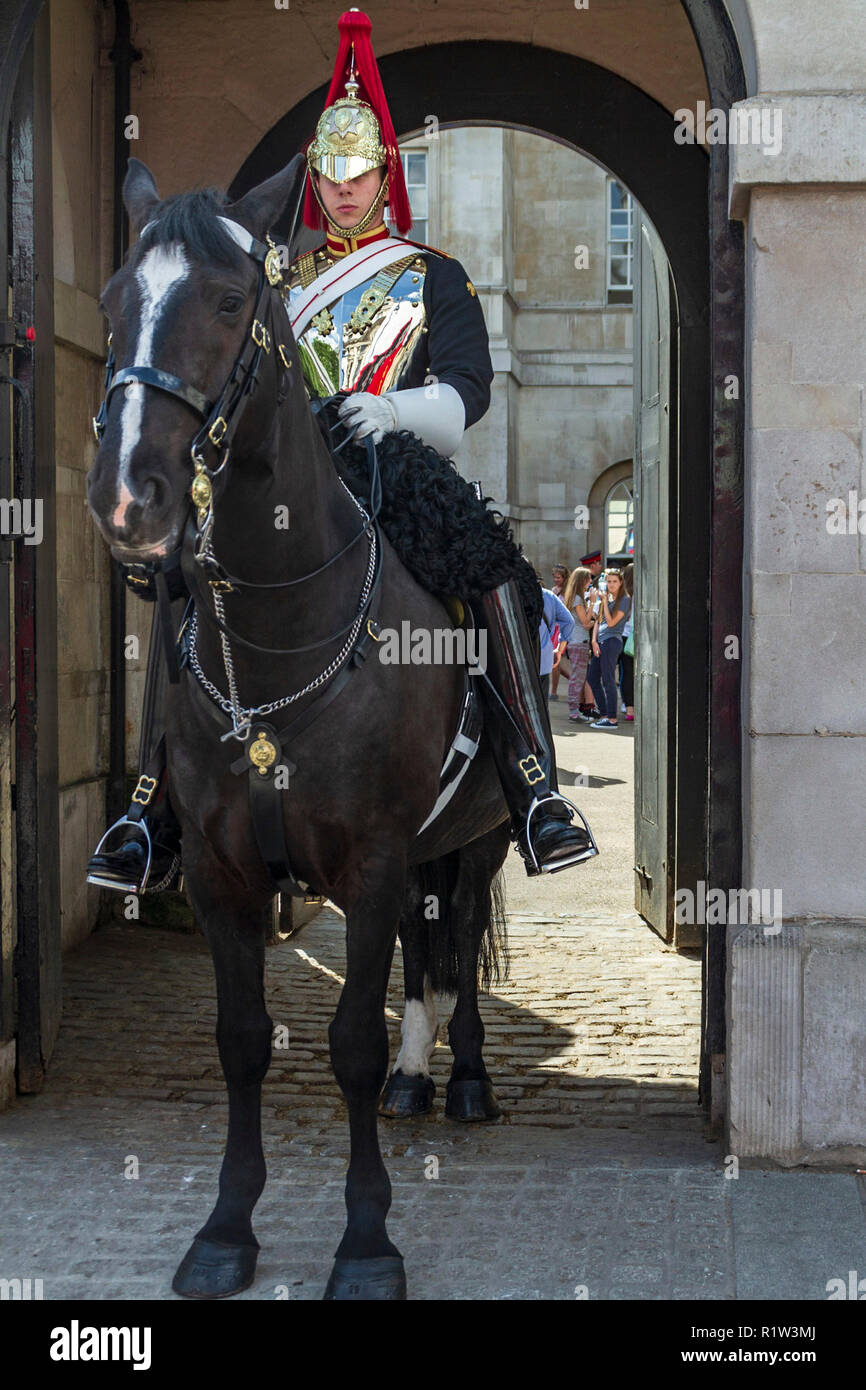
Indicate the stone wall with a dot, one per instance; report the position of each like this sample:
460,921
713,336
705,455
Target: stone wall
807,295
801,49
797,996
200,119
797,1033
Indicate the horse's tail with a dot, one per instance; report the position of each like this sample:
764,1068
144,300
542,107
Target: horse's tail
437,880
493,957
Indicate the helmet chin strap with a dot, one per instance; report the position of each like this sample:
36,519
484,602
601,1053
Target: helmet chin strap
374,208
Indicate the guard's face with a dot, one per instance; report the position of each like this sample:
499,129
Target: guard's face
346,203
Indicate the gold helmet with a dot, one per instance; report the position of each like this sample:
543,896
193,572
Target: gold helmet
356,134
348,141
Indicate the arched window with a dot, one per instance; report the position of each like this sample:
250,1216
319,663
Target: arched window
619,518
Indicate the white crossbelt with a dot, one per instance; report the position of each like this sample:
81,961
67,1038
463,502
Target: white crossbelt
348,272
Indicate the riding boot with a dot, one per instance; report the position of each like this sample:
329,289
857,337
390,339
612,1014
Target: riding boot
517,724
148,857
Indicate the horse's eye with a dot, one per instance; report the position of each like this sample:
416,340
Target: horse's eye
231,304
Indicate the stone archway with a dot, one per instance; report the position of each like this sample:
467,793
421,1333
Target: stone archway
684,193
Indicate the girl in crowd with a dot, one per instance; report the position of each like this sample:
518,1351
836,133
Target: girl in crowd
626,660
607,643
560,579
574,599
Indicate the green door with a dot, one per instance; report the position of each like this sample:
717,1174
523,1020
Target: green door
654,334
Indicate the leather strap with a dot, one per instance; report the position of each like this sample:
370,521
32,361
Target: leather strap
306,717
164,381
147,787
229,407
346,274
266,754
266,810
164,616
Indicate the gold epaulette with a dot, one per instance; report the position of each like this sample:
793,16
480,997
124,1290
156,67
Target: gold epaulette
308,266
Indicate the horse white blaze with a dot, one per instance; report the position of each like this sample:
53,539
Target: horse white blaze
160,272
420,1022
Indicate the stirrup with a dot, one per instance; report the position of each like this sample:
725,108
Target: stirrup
99,882
567,861
142,885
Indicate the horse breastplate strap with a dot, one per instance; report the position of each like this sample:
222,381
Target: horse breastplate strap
363,340
266,759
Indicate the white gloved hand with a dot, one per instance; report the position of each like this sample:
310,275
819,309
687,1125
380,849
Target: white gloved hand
372,414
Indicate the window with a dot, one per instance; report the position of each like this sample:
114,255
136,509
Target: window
620,243
415,173
619,519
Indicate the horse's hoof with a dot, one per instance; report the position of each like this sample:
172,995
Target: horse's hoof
471,1101
404,1096
382,1279
211,1270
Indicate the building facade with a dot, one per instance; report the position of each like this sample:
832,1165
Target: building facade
548,238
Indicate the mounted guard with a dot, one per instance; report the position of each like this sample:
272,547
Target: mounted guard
395,789
390,338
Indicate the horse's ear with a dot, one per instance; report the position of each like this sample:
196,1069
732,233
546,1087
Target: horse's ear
139,193
260,209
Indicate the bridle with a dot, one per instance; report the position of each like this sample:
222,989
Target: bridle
221,418
220,422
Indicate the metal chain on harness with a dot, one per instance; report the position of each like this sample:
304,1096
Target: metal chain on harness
240,715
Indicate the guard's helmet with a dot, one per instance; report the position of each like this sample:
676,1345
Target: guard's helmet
355,132
347,140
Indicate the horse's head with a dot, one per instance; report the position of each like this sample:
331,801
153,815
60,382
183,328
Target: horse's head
183,304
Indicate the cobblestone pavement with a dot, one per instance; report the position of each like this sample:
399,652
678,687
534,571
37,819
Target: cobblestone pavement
598,1182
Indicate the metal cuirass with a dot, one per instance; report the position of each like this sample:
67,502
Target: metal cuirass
364,339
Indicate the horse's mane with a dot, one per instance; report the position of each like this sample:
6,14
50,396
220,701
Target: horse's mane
193,218
451,542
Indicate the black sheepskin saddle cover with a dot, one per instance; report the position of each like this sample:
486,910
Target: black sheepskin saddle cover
448,539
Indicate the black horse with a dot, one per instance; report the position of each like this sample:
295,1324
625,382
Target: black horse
365,773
